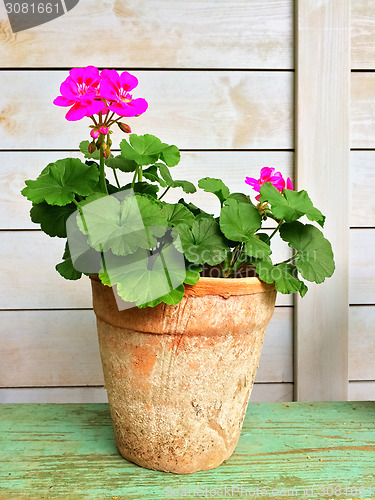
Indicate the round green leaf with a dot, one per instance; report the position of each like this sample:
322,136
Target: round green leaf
63,179
315,257
239,221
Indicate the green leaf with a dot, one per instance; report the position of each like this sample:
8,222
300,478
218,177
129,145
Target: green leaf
146,188
121,163
178,214
62,181
242,198
203,243
151,173
84,147
66,269
314,258
143,149
171,298
284,276
123,226
187,186
170,155
215,186
52,218
290,206
193,273
144,279
256,248
165,173
239,221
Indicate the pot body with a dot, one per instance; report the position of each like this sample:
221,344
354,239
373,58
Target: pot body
179,377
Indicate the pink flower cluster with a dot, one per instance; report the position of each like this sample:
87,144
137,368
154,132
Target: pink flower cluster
268,174
90,92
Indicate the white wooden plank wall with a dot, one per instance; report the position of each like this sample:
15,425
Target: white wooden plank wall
362,209
208,71
230,121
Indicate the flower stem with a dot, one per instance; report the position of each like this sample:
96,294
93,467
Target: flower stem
102,183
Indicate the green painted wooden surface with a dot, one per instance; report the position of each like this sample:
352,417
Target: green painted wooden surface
67,451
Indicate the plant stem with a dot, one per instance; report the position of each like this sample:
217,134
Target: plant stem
81,214
107,121
165,192
140,174
116,178
293,257
274,231
135,176
234,254
102,182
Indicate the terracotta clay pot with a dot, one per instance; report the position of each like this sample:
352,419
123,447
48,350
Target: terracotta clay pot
179,377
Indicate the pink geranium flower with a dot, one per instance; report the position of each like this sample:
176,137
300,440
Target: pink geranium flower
268,174
115,89
81,91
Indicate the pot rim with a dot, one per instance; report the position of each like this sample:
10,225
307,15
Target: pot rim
228,286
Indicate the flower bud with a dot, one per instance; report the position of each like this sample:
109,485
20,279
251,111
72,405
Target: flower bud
107,153
109,142
94,133
103,146
103,130
125,128
92,147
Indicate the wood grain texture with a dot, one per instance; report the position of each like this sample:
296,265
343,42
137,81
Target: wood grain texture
361,343
238,109
192,109
362,122
361,266
322,150
161,33
261,393
60,348
362,391
363,34
230,166
68,450
362,189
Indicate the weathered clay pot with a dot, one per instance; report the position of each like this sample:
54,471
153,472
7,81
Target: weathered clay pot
179,377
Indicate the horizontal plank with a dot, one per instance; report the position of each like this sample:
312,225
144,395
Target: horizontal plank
30,281
361,343
183,34
60,348
231,167
362,127
362,266
362,391
362,189
241,110
260,393
56,395
285,450
246,34
363,34
194,110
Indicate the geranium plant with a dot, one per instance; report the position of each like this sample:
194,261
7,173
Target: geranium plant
134,239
